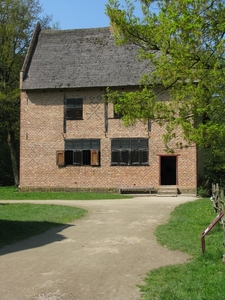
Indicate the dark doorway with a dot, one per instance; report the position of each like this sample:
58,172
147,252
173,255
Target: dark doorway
168,170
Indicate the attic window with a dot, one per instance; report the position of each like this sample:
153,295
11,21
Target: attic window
74,109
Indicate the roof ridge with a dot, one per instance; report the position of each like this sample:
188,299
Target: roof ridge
75,29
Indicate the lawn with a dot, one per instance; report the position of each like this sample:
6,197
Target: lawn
12,193
21,221
203,277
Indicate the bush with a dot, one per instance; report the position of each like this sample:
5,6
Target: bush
203,192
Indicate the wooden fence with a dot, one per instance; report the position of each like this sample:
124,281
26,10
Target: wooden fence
219,206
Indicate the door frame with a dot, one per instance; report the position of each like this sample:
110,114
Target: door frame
160,159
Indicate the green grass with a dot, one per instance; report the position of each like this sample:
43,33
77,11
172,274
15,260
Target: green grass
203,278
11,193
21,221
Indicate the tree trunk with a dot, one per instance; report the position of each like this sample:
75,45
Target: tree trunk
14,159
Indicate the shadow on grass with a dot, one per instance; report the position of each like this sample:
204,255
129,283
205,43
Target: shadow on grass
21,235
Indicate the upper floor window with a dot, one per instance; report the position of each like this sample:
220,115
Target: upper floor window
129,152
74,109
116,115
82,152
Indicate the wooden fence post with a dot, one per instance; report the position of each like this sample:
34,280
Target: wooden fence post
215,196
219,206
222,208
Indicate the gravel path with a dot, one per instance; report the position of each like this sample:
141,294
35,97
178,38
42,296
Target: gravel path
100,257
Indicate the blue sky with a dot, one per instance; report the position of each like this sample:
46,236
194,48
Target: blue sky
73,14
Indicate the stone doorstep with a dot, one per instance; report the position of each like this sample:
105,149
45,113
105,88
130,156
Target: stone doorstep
167,191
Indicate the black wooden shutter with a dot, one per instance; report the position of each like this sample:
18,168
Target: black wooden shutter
135,157
144,157
124,157
115,157
77,158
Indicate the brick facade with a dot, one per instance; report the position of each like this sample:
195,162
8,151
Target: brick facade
43,131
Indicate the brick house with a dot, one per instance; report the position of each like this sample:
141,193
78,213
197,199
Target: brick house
71,138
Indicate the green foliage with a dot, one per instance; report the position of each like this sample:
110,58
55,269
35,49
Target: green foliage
6,174
184,43
17,21
203,192
12,193
21,221
203,276
215,165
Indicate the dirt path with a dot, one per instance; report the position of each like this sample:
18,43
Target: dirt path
100,257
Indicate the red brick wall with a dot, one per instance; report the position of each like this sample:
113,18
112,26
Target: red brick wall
42,134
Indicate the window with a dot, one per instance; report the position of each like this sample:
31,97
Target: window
74,109
82,152
129,152
117,115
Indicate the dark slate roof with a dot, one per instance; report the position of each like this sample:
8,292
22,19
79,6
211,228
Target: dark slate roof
80,58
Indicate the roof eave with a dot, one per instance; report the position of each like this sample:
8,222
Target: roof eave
30,53
24,88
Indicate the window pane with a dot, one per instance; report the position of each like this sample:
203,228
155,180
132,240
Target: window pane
115,143
78,113
95,144
86,157
125,143
70,113
117,115
69,144
74,102
124,157
78,103
115,157
86,144
135,157
77,144
134,143
69,157
143,144
144,157
77,157
70,103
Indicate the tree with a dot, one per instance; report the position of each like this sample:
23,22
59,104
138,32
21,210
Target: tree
184,43
17,21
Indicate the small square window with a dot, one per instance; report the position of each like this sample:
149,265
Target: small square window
74,109
116,115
